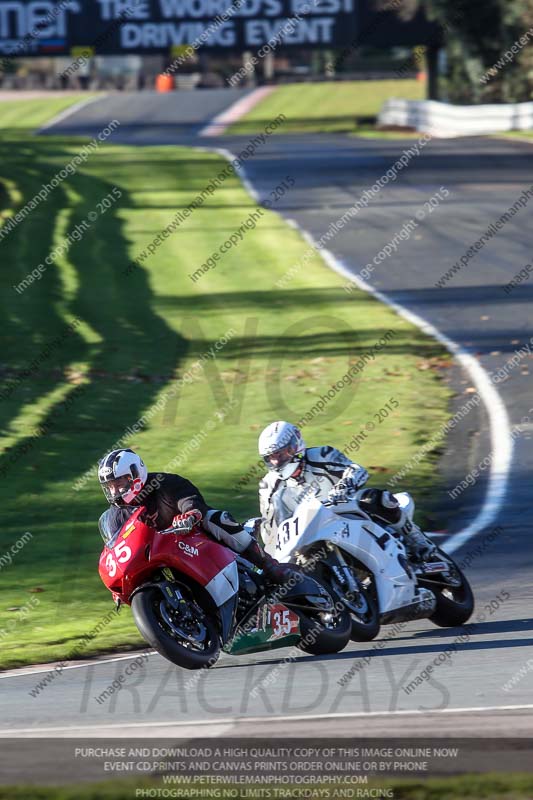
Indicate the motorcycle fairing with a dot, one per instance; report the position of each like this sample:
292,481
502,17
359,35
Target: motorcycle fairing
138,549
313,522
268,626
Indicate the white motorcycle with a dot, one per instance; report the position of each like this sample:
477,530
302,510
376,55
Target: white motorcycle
368,568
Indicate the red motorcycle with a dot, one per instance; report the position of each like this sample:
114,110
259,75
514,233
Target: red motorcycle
191,597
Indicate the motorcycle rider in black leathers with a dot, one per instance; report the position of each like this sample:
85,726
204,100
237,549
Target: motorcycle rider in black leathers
172,501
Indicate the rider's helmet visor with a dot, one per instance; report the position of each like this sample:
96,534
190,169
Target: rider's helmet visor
115,488
280,457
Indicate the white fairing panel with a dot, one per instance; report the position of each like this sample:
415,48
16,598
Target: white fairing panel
368,542
225,584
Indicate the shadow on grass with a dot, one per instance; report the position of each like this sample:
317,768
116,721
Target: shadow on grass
120,333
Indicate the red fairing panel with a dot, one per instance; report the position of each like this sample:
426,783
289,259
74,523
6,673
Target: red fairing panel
139,549
194,554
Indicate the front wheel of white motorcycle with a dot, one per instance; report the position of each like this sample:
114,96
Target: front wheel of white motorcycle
361,603
364,612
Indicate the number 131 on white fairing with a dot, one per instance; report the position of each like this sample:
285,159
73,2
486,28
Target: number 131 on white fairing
122,554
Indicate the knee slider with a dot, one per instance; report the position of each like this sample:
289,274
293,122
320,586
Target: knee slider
382,504
224,520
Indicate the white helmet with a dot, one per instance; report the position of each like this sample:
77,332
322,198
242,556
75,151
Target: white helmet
281,446
122,475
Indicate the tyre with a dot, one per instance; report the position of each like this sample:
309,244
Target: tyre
363,610
323,632
362,605
365,618
188,639
455,601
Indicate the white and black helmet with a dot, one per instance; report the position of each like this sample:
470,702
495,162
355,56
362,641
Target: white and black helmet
281,447
122,475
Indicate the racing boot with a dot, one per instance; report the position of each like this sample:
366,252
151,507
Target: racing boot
272,569
417,544
396,512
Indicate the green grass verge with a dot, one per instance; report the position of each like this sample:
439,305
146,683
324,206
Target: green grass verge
26,114
343,106
517,135
494,786
141,330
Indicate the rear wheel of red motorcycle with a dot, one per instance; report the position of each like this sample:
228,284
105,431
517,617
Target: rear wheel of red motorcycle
190,641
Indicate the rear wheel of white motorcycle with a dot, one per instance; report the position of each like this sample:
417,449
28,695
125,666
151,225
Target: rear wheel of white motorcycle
324,632
455,601
188,638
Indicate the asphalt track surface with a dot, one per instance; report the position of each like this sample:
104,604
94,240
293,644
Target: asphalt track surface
465,693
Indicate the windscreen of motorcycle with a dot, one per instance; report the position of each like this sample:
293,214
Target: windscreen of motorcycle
111,522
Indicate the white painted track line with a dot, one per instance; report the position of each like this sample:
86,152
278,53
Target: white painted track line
69,111
44,669
235,721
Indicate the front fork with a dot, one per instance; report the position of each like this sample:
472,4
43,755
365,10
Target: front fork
337,564
342,571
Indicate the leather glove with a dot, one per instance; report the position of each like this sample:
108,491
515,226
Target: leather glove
339,494
354,476
353,479
186,522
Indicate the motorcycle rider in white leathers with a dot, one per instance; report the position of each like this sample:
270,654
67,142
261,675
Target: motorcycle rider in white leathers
296,472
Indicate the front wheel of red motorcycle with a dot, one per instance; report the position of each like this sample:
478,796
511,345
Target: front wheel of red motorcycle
186,636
